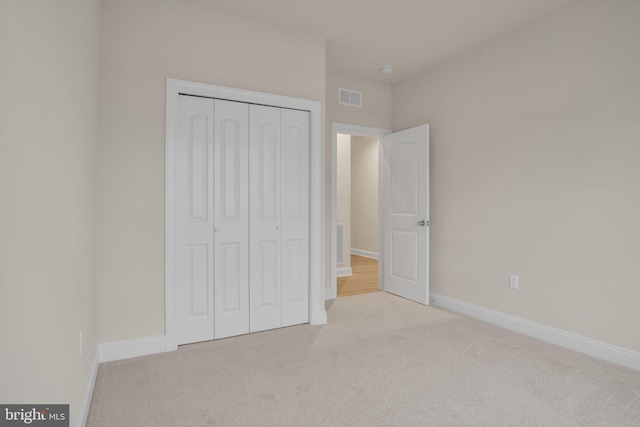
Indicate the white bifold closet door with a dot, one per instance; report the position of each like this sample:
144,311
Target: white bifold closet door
242,196
279,211
295,216
194,220
231,217
265,219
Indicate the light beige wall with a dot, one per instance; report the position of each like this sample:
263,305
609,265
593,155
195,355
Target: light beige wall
143,43
534,170
343,190
375,112
48,136
364,194
376,103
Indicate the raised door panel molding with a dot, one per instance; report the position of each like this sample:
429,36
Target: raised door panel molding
199,281
198,166
267,150
294,170
230,146
404,163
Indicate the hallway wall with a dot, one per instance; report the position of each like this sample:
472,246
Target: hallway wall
364,194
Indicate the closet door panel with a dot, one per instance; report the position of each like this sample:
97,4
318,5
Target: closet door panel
194,220
231,207
265,211
295,216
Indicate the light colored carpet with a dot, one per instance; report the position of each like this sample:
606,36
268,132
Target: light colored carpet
381,360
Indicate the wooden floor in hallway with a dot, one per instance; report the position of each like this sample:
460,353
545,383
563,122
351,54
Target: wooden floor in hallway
364,279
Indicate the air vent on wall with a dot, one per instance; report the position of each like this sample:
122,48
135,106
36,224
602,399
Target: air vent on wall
350,97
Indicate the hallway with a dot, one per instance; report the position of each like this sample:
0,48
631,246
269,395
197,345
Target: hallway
364,279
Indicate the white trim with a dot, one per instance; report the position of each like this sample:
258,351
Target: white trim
366,254
88,391
610,353
171,341
317,312
336,128
381,202
344,272
328,295
320,319
110,351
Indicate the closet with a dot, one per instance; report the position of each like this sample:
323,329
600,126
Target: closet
242,218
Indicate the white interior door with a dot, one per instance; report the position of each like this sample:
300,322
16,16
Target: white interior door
295,216
264,206
231,210
194,220
406,213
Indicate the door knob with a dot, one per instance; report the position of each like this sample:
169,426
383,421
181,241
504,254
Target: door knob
422,223
217,229
277,227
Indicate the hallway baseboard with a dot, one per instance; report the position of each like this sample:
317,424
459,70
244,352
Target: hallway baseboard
344,271
361,252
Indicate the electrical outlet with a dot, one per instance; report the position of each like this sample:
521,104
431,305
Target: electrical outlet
513,281
81,342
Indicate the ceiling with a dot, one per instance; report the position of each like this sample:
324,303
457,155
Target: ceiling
411,35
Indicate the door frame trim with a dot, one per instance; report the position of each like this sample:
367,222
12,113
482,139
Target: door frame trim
175,87
369,132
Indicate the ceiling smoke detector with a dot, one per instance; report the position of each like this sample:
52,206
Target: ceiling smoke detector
386,69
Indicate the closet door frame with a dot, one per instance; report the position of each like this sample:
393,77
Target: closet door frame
176,87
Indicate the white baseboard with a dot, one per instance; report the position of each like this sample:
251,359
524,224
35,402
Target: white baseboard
88,391
320,319
330,294
131,348
367,254
344,271
618,355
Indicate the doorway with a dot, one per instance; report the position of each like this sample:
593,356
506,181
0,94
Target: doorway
357,214
373,138
403,210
